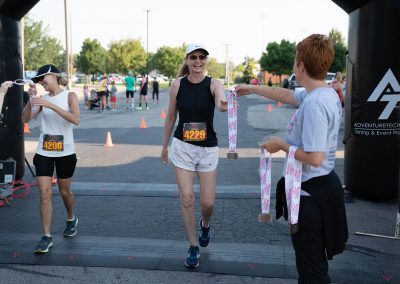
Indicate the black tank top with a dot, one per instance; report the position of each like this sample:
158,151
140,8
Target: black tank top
195,103
144,88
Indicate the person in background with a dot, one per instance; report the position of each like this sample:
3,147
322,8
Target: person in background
337,85
194,147
254,81
108,86
129,82
313,129
58,110
156,90
101,92
113,96
143,91
270,82
94,100
86,96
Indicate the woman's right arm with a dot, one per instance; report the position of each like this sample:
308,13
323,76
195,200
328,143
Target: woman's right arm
27,113
170,120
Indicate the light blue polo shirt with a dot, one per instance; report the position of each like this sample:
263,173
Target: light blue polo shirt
315,127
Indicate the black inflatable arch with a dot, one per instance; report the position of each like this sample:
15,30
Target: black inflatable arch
372,123
11,130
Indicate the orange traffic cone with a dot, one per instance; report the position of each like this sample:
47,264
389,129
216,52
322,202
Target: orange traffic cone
53,180
269,108
162,114
279,104
143,123
26,128
109,142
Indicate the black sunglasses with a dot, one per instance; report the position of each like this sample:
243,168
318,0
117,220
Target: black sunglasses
194,57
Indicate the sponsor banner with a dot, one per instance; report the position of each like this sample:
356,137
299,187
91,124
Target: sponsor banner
381,114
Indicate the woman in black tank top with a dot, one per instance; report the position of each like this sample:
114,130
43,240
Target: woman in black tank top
194,148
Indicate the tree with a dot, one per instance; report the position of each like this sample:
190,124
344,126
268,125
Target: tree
92,58
249,66
339,44
127,55
279,57
40,48
215,70
238,73
169,59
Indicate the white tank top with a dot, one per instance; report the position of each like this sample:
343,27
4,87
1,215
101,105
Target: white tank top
53,124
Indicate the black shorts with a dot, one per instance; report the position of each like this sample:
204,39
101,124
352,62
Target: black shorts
102,93
130,93
143,93
65,166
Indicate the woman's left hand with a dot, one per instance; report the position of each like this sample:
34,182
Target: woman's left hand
274,144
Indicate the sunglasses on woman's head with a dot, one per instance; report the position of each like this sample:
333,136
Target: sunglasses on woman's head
194,57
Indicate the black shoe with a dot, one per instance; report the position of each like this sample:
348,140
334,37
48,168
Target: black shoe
204,234
192,259
44,245
70,229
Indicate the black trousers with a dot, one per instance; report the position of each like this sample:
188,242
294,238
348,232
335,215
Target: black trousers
308,244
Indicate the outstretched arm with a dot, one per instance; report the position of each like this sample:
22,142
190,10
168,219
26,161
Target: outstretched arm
275,93
218,91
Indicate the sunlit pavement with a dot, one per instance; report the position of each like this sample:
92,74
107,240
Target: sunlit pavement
129,217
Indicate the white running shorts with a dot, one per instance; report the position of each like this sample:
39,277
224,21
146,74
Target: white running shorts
193,158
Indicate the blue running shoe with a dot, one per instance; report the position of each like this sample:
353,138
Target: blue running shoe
204,234
192,259
44,245
70,230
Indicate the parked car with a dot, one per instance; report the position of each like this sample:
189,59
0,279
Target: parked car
160,79
293,85
29,74
330,77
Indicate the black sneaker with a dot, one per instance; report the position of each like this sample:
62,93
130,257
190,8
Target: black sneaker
192,259
70,229
204,234
44,245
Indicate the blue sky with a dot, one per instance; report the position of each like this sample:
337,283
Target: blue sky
244,27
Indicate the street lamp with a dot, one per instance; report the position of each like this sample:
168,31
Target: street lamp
67,45
147,41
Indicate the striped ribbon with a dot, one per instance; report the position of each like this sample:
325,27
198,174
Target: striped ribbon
293,174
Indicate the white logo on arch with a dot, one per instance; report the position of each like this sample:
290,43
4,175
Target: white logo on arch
390,88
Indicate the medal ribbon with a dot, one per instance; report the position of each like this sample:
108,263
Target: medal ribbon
232,121
265,181
293,174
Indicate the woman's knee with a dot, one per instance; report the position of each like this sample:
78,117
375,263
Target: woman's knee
187,200
45,195
207,205
65,191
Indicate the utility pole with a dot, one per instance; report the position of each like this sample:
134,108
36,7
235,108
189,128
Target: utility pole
227,65
147,41
67,44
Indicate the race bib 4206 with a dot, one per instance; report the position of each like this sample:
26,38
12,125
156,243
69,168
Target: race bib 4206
53,142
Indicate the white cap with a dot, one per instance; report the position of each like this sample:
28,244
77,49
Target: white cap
195,46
